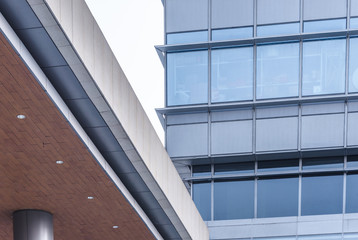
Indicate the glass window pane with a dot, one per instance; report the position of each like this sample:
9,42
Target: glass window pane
352,161
201,170
235,168
352,193
321,237
277,70
354,23
277,197
322,194
202,199
322,163
353,65
274,166
187,78
187,37
231,33
324,25
278,29
233,200
232,74
323,67
351,236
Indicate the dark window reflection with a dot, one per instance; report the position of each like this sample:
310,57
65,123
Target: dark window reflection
352,162
286,165
235,168
202,199
352,193
320,163
277,197
233,200
322,194
201,170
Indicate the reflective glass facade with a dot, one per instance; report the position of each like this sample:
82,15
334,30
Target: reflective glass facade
273,128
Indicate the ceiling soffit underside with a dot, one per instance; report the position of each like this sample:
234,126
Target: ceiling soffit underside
60,74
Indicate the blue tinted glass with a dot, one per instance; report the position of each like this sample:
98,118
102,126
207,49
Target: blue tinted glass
201,170
201,197
278,29
274,166
321,237
231,34
322,163
234,168
352,193
187,37
187,78
322,195
354,23
232,74
323,67
277,197
353,65
233,200
324,25
277,70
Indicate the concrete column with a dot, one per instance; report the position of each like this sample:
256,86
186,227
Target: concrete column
32,225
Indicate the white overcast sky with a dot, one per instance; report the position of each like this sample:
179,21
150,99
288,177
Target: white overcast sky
132,28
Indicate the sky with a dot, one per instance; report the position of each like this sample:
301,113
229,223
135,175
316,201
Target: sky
132,29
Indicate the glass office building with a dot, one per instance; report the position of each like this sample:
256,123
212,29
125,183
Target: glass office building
261,114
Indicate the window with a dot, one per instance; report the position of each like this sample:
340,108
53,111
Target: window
233,200
354,23
352,193
232,74
234,168
323,67
277,70
324,25
278,29
353,65
322,194
277,197
352,161
276,166
187,37
201,170
322,163
202,199
231,33
187,78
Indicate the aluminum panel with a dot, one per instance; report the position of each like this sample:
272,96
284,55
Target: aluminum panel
187,118
278,11
231,137
187,140
186,15
270,112
323,9
310,109
354,7
232,13
231,115
352,134
322,131
277,134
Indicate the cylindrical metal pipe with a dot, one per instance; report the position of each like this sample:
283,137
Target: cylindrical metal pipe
32,224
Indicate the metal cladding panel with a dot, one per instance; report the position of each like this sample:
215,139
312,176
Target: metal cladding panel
231,137
352,134
354,7
134,181
186,15
277,112
278,11
65,82
12,9
41,47
146,200
323,9
82,108
187,140
231,115
103,138
310,109
322,131
232,13
119,162
277,134
187,118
